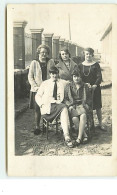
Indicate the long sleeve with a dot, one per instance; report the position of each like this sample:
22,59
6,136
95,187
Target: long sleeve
31,75
35,75
38,97
68,100
99,75
88,96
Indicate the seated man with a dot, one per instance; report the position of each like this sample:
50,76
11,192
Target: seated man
50,97
79,100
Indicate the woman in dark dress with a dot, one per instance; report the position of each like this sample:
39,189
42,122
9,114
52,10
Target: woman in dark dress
91,73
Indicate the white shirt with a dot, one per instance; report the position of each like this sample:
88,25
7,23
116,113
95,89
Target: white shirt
44,96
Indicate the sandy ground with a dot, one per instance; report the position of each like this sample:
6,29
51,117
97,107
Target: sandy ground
26,143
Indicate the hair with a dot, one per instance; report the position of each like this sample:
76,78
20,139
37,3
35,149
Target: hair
53,70
90,50
39,49
76,73
65,50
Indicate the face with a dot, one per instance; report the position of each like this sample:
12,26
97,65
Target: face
43,53
88,56
64,56
77,79
54,76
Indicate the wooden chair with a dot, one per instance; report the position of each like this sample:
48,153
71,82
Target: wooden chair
47,124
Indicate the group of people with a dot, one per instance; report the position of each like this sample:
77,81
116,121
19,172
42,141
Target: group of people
65,89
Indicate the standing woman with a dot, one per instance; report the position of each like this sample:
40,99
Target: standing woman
91,73
38,72
66,65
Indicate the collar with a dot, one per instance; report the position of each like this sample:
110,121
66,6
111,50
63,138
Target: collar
72,63
58,80
88,64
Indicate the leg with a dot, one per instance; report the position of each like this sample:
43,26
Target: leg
76,122
81,129
37,119
99,115
84,134
44,126
64,121
82,125
65,126
85,138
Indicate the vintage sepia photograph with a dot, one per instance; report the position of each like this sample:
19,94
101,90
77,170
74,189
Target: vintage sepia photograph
59,63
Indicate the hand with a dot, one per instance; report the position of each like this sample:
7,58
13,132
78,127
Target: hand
88,84
86,106
94,87
53,100
71,108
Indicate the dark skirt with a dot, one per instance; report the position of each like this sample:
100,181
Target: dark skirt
56,109
97,102
32,102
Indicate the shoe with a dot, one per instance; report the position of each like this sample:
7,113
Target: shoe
69,143
37,131
85,140
77,142
102,128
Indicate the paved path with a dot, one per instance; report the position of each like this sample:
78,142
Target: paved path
26,143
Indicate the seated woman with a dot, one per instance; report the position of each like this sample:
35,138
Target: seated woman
50,97
78,98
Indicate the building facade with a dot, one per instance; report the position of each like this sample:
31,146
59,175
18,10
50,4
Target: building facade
106,45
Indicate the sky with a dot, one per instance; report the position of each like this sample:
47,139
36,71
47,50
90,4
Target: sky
87,21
